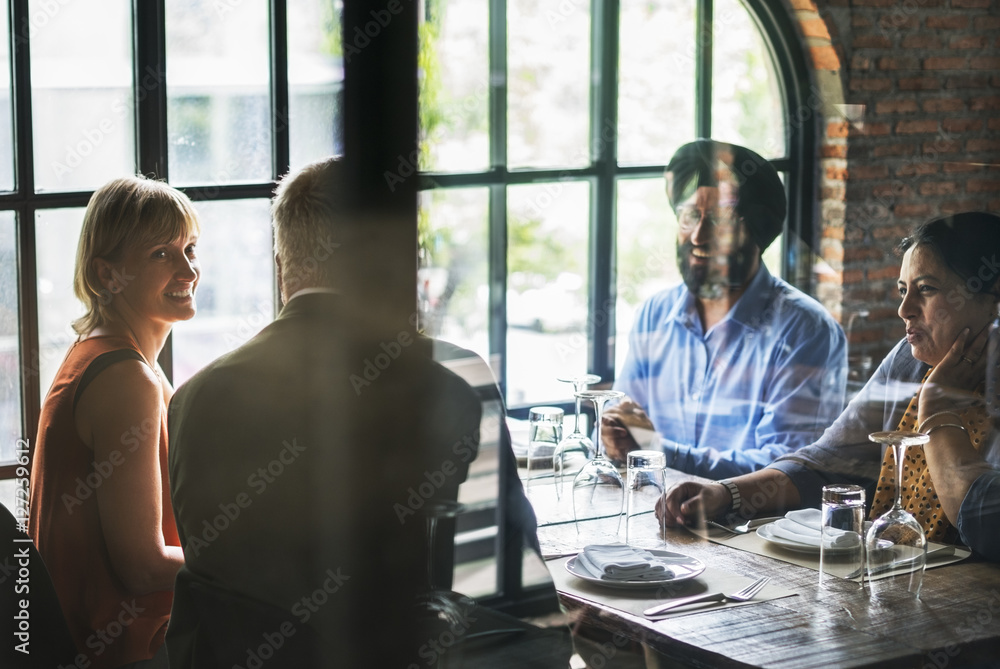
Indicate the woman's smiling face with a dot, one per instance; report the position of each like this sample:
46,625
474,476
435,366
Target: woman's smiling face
936,305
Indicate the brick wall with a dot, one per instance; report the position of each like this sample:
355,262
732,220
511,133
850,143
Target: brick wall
927,73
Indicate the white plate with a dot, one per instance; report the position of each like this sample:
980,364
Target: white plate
765,532
684,567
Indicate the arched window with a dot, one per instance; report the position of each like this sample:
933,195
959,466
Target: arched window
546,128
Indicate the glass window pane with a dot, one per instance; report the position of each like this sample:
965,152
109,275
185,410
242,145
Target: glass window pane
453,279
746,100
235,295
218,100
10,350
647,252
548,84
454,87
6,111
655,80
81,93
57,234
547,242
315,81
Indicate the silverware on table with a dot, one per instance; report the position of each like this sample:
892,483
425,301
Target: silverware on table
743,595
745,527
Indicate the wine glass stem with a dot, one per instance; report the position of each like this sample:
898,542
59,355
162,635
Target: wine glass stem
899,451
598,410
576,419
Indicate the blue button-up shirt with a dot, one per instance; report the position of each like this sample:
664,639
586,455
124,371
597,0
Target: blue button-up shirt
764,381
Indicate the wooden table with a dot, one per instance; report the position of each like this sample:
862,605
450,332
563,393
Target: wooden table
955,623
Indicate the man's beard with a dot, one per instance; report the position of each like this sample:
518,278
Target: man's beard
714,279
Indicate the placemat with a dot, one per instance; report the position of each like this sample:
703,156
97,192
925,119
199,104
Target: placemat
634,602
753,543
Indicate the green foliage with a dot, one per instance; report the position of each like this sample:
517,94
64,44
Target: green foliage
333,41
533,250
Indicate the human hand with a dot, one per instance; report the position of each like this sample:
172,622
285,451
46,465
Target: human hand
692,502
953,383
617,420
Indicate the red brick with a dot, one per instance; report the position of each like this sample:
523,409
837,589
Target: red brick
913,168
863,253
942,146
859,62
984,63
912,210
895,149
916,127
871,42
876,129
943,105
896,106
814,28
968,81
899,63
982,186
938,63
948,22
969,42
833,151
863,84
836,173
860,21
899,21
890,231
939,188
832,194
959,168
994,123
887,272
979,145
854,276
970,3
994,205
956,206
833,232
868,172
962,124
921,42
919,84
837,129
985,104
824,58
895,189
983,23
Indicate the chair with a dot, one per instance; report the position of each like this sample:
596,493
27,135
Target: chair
24,579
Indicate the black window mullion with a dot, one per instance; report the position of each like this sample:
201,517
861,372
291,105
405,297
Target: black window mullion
604,153
280,151
703,69
24,225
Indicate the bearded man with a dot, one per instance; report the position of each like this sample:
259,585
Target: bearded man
733,367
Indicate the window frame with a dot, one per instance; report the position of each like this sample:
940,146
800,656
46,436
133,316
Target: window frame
798,165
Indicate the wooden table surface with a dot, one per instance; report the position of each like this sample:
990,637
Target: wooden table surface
955,623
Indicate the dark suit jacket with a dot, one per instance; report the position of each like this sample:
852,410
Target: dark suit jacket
298,467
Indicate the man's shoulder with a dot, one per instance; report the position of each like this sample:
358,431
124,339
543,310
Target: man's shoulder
789,305
665,302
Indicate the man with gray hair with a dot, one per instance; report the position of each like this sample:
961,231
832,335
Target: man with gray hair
303,465
733,367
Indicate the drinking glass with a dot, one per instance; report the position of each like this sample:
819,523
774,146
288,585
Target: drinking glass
842,544
896,540
577,448
545,428
645,485
598,490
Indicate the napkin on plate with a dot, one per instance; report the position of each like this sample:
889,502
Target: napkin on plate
618,562
803,526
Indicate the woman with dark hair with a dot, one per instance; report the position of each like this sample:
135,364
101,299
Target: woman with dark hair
100,511
933,381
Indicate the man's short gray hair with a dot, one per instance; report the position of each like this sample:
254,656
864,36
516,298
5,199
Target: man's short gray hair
308,213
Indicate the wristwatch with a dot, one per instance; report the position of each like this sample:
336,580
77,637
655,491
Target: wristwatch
735,492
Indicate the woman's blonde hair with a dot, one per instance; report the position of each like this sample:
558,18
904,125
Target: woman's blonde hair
121,215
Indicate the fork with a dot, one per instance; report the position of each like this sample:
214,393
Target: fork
745,527
743,595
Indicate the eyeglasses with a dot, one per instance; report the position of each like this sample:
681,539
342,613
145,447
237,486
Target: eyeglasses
689,217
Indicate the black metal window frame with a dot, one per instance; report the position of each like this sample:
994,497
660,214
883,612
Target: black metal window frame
151,150
603,172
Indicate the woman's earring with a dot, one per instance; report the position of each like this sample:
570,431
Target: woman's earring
114,287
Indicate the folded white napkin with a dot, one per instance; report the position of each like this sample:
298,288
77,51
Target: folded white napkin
803,526
618,562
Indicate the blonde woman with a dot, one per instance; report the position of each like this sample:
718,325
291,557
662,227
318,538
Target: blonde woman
100,506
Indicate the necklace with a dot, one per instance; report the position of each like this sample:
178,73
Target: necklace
135,340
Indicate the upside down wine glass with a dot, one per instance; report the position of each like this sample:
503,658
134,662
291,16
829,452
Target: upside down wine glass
598,490
895,542
576,448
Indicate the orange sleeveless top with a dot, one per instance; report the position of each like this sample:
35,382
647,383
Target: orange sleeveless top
110,625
